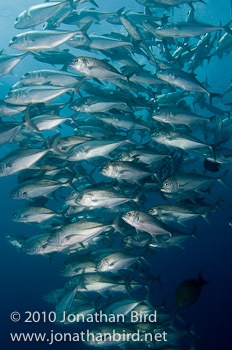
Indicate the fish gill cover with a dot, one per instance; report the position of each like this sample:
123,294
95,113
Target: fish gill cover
115,137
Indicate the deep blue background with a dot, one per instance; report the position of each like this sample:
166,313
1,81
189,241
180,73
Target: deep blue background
25,279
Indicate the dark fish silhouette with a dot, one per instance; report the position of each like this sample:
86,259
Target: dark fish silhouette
188,292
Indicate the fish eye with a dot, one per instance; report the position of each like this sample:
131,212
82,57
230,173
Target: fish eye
26,75
14,38
166,184
16,19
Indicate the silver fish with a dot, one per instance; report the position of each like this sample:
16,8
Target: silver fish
36,188
54,296
186,182
9,134
50,77
34,214
16,240
101,198
37,245
95,104
96,42
19,160
10,110
176,213
45,121
66,143
83,15
77,232
145,222
125,171
116,261
37,14
181,79
95,68
180,140
185,29
40,40
8,62
122,307
35,94
119,121
144,155
174,115
92,149
78,267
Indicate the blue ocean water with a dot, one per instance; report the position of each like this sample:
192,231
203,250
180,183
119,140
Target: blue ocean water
25,279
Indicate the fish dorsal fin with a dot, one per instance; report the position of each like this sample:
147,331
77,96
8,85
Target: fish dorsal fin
190,17
29,122
148,11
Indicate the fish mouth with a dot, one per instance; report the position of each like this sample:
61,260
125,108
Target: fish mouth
126,219
164,190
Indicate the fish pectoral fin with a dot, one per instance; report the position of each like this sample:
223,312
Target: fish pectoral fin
68,238
34,167
103,294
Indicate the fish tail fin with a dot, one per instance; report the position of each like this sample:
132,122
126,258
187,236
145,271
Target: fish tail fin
154,279
219,205
192,332
148,11
130,139
69,183
120,11
72,4
61,213
213,95
18,129
193,234
116,226
93,3
72,117
201,280
50,256
221,180
77,87
128,76
145,260
175,315
29,122
85,28
227,27
206,217
52,144
64,68
71,98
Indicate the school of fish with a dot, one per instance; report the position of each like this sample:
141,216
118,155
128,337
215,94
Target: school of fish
130,152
